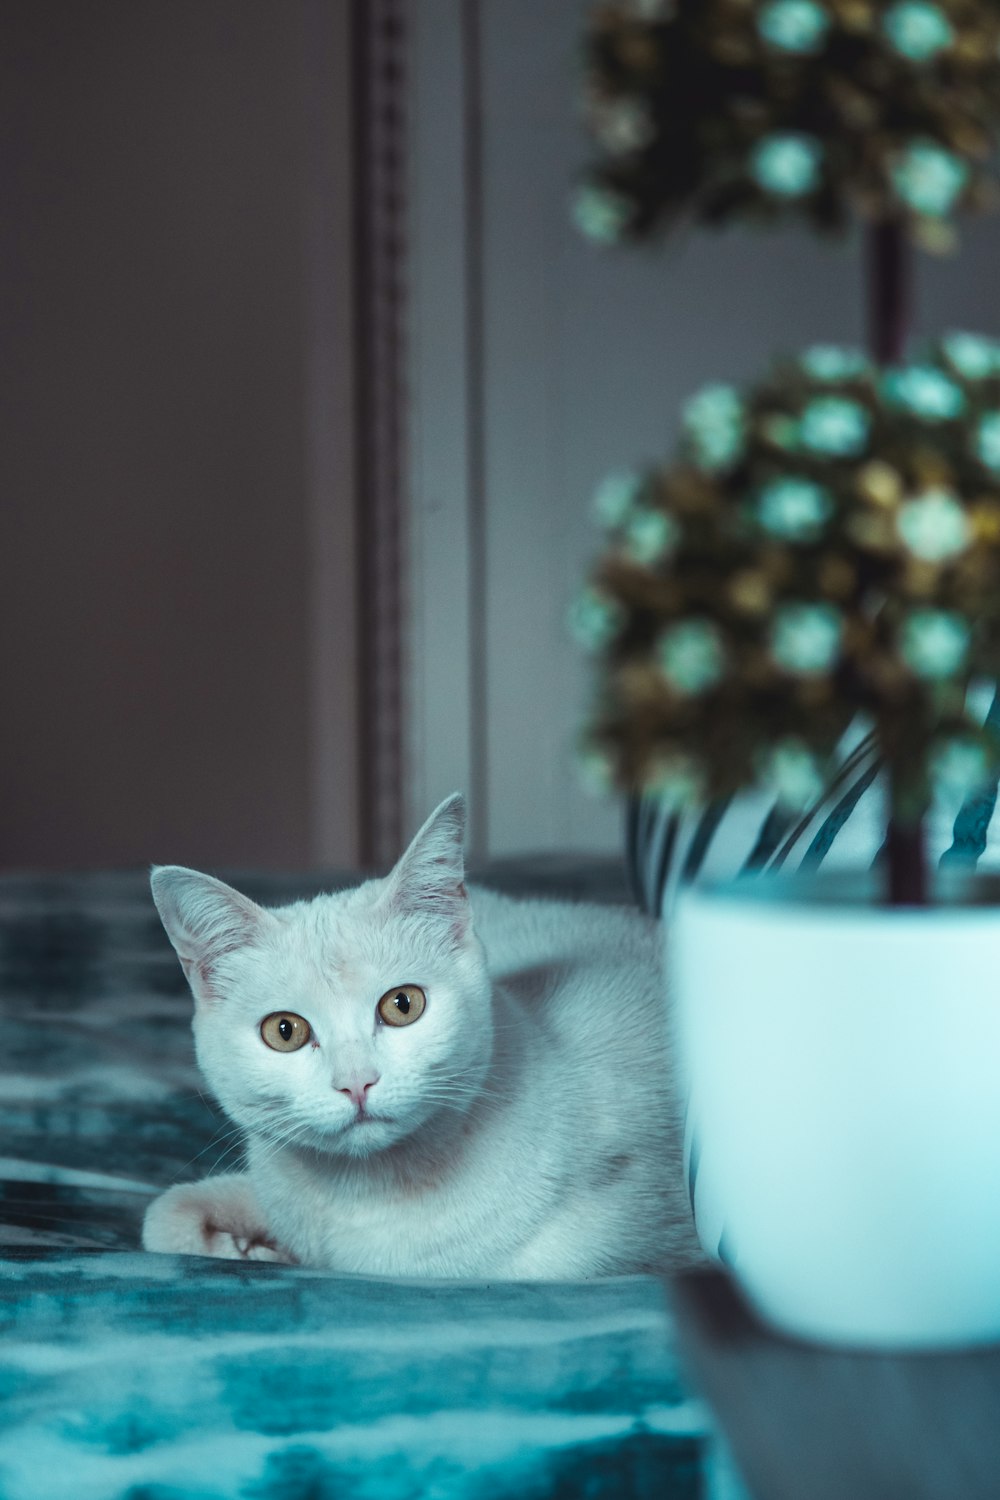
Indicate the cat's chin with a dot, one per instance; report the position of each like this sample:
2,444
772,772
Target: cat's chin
359,1138
364,1137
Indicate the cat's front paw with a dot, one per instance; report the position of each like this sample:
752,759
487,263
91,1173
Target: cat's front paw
218,1216
254,1249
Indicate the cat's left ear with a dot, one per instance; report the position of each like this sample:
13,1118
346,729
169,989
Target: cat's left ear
429,878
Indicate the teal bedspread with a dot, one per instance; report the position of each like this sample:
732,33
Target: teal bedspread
159,1377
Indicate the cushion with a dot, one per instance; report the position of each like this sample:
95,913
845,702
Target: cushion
155,1377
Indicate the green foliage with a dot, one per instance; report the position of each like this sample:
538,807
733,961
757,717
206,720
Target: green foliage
823,110
826,544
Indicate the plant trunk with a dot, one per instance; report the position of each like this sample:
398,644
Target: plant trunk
905,842
906,860
890,293
890,290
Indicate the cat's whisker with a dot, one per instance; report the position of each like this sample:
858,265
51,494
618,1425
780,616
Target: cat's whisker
276,1135
459,1091
234,1139
231,1147
300,1136
283,1126
233,1134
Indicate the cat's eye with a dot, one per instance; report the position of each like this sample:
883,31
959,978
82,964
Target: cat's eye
403,1005
284,1031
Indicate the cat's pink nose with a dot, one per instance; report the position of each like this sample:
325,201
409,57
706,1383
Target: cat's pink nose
357,1089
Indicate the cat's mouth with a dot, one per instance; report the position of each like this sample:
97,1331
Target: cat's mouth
365,1119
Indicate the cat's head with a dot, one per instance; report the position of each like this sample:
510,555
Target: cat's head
346,1022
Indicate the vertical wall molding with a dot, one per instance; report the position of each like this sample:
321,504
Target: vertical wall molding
475,320
446,663
380,210
330,436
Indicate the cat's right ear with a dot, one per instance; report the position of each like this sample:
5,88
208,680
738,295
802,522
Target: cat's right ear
204,919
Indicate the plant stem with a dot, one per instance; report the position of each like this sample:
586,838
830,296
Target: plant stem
907,863
905,840
890,290
889,276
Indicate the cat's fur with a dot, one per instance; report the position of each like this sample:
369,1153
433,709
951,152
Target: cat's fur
531,1126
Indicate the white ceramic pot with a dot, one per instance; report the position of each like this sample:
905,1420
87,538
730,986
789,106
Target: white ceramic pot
842,1062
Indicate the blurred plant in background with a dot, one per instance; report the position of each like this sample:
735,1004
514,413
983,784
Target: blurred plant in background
764,110
826,545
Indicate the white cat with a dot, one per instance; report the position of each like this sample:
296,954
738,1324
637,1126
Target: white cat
431,1081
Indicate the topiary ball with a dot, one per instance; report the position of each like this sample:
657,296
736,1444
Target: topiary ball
823,110
825,544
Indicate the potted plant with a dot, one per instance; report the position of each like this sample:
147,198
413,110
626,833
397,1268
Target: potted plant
832,113
826,547
823,560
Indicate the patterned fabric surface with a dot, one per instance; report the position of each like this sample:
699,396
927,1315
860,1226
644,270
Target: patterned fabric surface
153,1377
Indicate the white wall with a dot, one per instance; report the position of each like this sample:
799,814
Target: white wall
584,359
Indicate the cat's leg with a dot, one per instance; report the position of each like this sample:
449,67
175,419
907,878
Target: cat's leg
218,1216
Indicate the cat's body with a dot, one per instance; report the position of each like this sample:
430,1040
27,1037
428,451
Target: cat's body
523,1126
